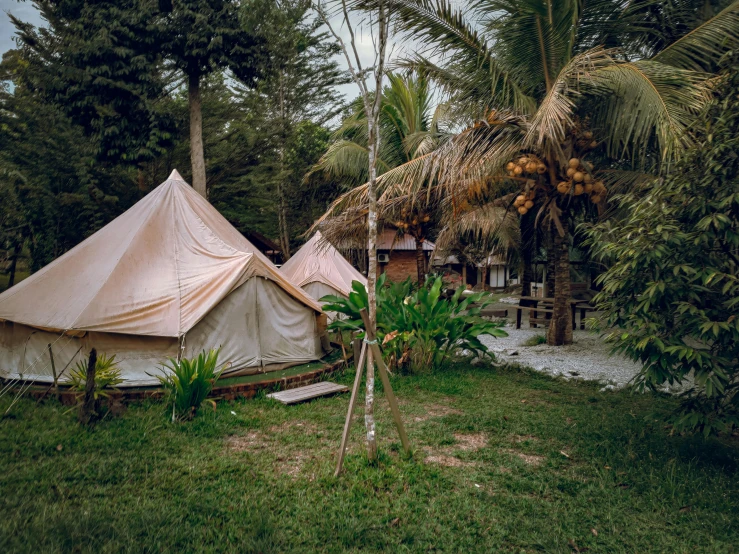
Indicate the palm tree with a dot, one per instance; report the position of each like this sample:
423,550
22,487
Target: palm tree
408,130
550,84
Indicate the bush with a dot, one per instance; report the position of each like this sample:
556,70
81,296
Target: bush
418,328
672,287
189,382
107,376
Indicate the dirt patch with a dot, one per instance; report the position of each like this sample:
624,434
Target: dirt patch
292,465
437,410
252,441
473,441
529,459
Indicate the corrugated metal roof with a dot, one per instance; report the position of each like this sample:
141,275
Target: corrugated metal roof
391,240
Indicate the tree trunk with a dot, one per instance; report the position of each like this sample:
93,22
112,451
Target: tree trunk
549,285
560,327
369,408
527,254
282,200
13,264
420,261
485,275
89,407
197,156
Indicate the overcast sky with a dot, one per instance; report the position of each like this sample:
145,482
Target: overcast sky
27,12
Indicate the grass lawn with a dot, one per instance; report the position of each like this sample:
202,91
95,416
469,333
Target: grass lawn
489,474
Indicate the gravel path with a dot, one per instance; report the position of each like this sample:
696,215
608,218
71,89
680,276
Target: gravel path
587,358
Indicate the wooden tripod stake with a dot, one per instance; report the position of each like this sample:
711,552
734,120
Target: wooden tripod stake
392,401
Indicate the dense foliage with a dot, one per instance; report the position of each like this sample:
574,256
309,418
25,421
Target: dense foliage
418,327
188,382
672,285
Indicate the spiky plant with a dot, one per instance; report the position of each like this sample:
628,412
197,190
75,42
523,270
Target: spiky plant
188,382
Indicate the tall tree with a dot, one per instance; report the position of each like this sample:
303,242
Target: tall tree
559,95
199,37
301,87
98,61
408,129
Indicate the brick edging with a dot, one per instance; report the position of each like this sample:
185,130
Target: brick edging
226,392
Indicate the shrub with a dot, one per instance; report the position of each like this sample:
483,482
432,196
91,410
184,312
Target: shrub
107,376
189,382
419,329
672,288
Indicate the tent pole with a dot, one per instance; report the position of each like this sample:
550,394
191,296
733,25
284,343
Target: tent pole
53,372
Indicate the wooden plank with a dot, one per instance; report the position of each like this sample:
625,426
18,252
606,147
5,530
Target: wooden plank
352,401
301,394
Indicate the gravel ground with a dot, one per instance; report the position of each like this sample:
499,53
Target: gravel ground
587,358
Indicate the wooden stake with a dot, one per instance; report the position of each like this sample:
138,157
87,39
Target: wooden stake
350,412
392,401
88,410
53,372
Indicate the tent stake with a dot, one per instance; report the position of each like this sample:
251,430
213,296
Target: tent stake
53,372
350,412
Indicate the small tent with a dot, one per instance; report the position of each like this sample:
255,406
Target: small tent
319,269
169,276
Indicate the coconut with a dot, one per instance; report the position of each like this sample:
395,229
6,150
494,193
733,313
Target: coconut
398,224
510,165
563,187
574,162
588,135
426,218
593,144
528,204
588,187
578,176
571,171
579,189
531,167
599,187
523,161
541,168
588,178
518,170
522,210
595,199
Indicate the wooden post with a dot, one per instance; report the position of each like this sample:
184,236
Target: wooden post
322,322
352,403
53,372
392,401
88,410
356,348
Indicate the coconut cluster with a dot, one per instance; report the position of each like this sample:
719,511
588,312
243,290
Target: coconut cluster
524,202
526,165
580,181
411,219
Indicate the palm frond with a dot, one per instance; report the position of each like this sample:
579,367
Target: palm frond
701,48
493,227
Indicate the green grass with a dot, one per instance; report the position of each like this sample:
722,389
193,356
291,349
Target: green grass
260,479
535,340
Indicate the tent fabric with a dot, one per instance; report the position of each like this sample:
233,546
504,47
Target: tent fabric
156,270
319,262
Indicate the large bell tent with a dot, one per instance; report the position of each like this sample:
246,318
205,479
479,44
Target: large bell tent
169,276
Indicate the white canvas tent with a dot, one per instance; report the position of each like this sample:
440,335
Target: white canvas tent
169,275
319,269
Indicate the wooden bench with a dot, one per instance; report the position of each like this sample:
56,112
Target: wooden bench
492,312
301,394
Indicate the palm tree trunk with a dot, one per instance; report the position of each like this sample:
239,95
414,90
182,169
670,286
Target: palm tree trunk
420,261
527,254
485,275
197,155
549,285
560,327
